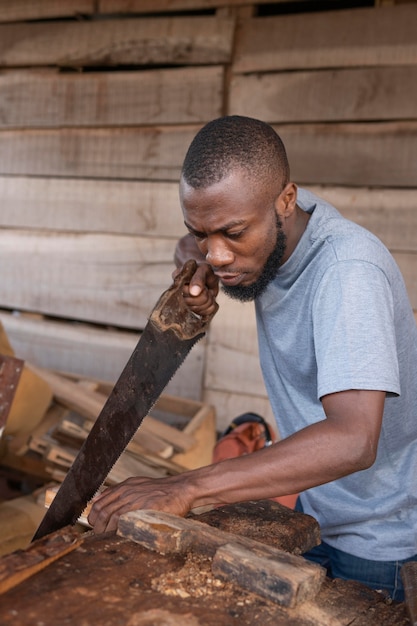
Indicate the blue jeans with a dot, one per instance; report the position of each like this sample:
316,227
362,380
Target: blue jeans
383,575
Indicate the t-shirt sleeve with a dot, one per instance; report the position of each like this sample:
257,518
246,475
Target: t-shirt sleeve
354,330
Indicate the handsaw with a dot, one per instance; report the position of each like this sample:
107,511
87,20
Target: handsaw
171,332
10,371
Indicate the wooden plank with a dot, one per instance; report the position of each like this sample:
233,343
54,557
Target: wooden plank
17,567
154,41
154,6
153,153
102,278
165,96
93,352
346,94
391,214
363,154
348,38
368,154
20,10
282,577
94,206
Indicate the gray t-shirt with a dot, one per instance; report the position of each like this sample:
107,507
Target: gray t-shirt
338,317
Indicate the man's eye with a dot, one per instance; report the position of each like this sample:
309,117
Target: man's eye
235,235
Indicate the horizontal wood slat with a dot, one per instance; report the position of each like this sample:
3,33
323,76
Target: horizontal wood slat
96,206
108,279
353,94
11,11
92,352
378,154
357,37
153,153
171,41
152,6
52,99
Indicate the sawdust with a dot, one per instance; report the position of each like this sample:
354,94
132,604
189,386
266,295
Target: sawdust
196,580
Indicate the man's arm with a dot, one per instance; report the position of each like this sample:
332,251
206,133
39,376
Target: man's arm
343,443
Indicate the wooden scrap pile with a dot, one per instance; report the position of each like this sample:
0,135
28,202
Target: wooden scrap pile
169,440
50,417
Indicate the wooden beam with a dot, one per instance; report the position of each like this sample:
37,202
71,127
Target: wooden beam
92,206
154,41
50,99
342,94
348,38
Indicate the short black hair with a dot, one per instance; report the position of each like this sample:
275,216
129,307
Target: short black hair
235,142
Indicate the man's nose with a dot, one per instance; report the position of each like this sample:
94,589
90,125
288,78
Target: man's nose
218,254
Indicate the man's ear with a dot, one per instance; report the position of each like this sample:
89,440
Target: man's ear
286,201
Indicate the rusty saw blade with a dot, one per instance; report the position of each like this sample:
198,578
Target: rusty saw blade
169,335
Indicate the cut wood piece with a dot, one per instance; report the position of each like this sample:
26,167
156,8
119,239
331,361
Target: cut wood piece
203,429
268,577
337,95
52,99
18,566
180,440
356,37
155,41
290,579
266,521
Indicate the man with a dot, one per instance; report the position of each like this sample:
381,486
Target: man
338,349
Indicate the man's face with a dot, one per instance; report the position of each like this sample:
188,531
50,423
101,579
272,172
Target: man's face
238,230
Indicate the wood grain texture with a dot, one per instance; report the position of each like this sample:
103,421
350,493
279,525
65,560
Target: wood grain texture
93,352
152,6
92,206
36,98
361,154
358,37
154,41
35,10
343,94
149,153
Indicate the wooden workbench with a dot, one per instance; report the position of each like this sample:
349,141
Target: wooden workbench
112,581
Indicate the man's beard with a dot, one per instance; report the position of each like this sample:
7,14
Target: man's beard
246,293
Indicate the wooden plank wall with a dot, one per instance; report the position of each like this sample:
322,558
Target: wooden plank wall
99,100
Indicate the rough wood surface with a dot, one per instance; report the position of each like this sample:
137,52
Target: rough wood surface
343,94
52,99
154,41
128,584
18,566
356,37
282,577
151,6
35,10
97,206
268,522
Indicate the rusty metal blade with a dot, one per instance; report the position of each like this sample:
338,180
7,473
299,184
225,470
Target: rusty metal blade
10,371
169,335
